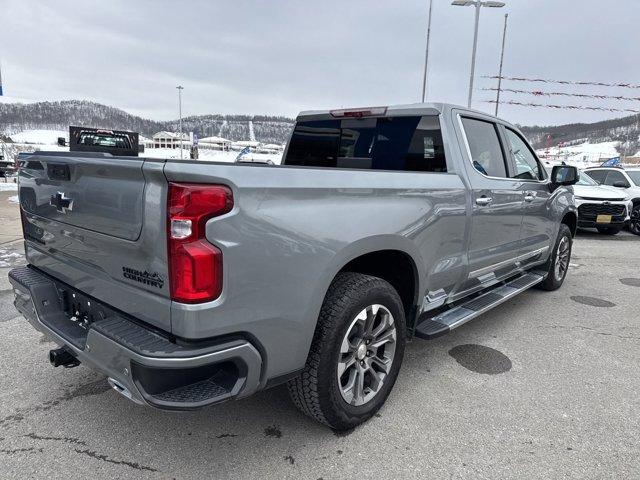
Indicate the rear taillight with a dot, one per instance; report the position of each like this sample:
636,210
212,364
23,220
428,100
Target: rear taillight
195,266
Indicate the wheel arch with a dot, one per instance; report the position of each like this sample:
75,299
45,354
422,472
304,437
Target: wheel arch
390,257
570,219
394,266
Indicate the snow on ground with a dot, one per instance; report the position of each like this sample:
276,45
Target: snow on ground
583,155
8,187
39,137
14,199
9,258
211,155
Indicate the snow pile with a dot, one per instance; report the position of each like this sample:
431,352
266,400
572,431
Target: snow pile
14,199
39,137
10,258
8,187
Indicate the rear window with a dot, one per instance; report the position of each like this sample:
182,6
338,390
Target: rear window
485,148
103,140
386,143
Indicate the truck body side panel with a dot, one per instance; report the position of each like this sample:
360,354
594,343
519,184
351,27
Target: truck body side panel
291,231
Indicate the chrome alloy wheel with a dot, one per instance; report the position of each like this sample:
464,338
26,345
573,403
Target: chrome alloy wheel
562,258
366,355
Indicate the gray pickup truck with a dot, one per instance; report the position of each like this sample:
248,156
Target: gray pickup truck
189,282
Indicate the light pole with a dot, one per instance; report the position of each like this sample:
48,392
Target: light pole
426,55
478,4
504,36
180,88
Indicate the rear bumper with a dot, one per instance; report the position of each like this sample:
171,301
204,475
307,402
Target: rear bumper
144,365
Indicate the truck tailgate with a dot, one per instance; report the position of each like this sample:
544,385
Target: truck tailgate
98,223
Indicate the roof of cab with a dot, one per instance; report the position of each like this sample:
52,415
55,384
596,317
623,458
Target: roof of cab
391,110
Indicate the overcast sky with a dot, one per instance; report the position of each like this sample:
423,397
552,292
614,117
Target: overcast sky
280,57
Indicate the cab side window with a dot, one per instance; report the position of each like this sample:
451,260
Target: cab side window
485,148
526,163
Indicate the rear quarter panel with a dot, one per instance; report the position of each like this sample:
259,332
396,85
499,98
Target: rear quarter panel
291,231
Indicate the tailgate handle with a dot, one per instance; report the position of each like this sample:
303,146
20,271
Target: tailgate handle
58,171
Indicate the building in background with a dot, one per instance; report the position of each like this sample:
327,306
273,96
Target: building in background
170,140
214,143
241,144
270,148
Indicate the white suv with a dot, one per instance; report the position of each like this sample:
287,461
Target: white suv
627,179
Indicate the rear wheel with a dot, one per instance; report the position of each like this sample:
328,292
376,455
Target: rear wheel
634,222
558,263
609,230
355,355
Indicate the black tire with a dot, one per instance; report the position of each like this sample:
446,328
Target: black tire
609,230
316,391
552,281
634,222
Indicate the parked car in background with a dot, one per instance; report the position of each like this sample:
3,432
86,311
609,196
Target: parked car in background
605,208
7,167
189,282
625,179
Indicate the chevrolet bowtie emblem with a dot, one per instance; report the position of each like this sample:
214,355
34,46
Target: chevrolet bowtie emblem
62,203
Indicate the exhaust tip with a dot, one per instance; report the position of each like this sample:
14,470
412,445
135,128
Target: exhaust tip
122,390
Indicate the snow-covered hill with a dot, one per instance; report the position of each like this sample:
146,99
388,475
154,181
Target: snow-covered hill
624,131
581,155
39,137
17,117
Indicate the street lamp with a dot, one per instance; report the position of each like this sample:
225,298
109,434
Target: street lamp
478,4
504,37
426,55
180,88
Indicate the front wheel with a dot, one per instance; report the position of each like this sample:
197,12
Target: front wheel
558,263
355,354
634,222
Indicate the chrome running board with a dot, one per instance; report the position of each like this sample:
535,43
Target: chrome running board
445,322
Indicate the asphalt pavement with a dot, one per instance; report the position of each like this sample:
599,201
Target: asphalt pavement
543,386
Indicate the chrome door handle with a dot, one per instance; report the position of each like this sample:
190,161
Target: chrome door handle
529,196
484,200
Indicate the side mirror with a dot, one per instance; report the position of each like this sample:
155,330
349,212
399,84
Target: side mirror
621,184
564,175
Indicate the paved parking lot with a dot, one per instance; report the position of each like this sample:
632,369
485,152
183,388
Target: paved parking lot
544,386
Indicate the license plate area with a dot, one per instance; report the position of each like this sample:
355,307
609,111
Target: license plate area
80,309
73,316
604,218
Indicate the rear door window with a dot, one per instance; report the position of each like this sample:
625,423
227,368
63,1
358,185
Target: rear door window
385,143
485,148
